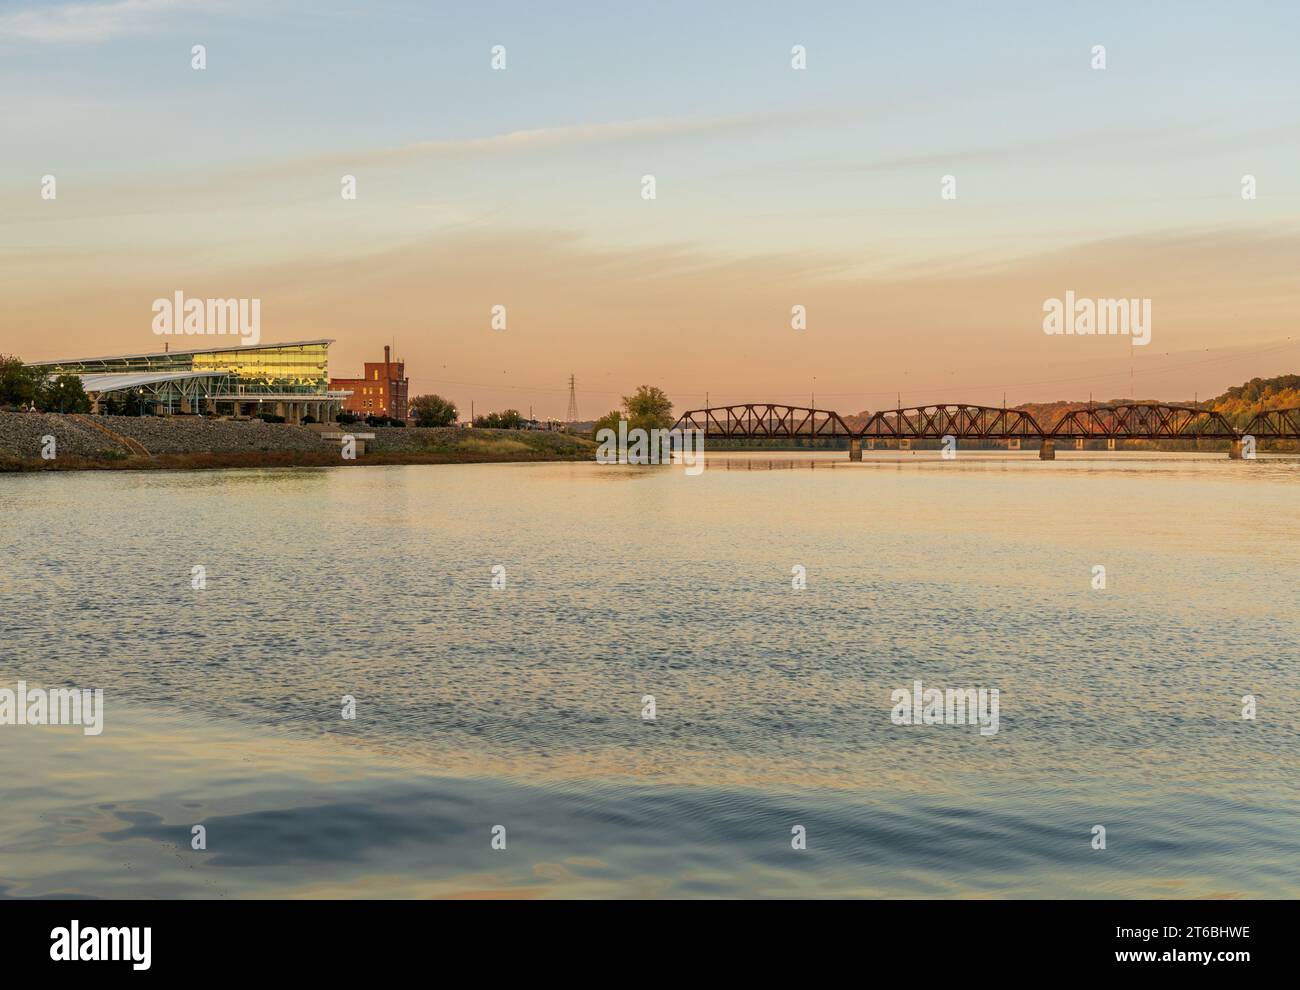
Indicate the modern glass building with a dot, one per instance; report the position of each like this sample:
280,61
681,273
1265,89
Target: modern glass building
289,380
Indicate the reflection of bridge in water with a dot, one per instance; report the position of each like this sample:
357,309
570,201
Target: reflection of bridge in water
1113,424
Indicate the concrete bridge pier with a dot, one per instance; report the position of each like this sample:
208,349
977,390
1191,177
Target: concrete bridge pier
855,450
1047,450
1234,451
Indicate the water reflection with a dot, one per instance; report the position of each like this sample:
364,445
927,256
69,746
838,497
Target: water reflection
522,705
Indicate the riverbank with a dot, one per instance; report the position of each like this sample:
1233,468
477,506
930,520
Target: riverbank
52,442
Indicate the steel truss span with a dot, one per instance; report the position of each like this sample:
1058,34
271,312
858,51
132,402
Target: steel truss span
1122,421
765,420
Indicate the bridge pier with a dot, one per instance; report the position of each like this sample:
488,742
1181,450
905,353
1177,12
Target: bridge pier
1047,450
1078,444
855,450
1112,444
1234,451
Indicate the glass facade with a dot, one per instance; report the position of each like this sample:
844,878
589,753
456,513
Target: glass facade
297,368
273,369
289,380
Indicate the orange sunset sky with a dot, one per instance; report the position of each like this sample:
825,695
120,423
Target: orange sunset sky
775,187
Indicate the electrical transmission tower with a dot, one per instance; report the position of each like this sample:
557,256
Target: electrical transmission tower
572,414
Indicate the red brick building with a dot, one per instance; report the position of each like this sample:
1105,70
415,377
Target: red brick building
384,391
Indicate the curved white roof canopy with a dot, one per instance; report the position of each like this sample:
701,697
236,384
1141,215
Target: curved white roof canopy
118,383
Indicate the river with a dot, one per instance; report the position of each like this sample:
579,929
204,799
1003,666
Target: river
502,630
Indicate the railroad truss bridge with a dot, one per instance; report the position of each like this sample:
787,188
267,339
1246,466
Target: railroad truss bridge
1113,424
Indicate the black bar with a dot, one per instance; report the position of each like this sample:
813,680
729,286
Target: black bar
967,941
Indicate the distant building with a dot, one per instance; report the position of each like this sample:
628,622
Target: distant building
384,391
288,380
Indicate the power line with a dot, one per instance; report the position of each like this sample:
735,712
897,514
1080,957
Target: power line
499,385
572,414
927,388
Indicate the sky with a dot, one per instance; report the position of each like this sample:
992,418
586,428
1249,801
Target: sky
774,187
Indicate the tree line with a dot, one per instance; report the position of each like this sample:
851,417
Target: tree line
24,387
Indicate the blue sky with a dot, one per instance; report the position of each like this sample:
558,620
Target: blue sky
822,183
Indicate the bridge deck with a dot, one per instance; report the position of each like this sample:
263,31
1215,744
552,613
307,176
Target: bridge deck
1124,421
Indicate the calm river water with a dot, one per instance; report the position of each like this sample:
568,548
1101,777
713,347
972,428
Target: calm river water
522,706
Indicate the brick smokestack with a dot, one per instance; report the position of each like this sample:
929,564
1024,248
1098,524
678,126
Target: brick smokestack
388,372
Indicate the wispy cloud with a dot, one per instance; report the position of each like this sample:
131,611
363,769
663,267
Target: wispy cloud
1148,142
543,138
93,23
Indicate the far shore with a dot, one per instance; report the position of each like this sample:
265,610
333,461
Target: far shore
52,442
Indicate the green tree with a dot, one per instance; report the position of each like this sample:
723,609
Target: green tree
433,410
607,422
64,394
19,384
647,408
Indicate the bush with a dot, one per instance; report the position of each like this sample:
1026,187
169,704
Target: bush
433,410
270,418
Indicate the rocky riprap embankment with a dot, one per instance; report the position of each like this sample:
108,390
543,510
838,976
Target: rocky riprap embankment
22,435
117,438
192,434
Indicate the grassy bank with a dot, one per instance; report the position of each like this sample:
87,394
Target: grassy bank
505,444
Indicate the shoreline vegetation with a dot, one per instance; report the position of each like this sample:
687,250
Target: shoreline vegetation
192,443
75,441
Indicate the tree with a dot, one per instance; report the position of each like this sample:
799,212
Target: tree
124,404
433,410
128,403
607,422
511,419
19,384
648,408
64,394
